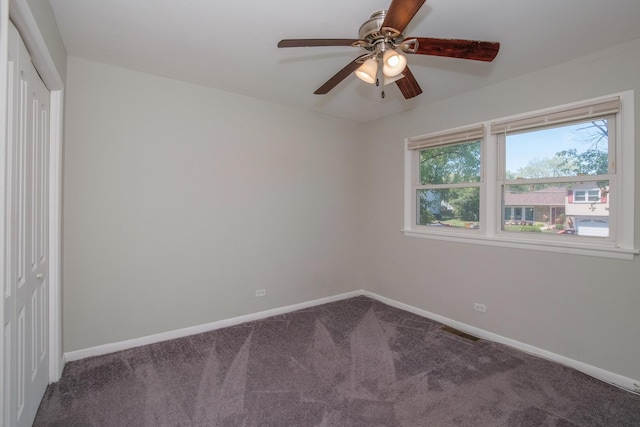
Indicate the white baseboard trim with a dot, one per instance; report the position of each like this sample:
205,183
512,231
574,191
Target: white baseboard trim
629,384
180,333
626,383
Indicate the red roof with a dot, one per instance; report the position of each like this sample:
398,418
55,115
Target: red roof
553,196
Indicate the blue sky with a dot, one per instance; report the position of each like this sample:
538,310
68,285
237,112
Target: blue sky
523,147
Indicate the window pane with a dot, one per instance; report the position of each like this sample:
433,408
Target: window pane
517,214
507,212
451,164
528,214
451,207
570,150
577,208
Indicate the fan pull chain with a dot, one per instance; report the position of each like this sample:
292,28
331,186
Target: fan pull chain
380,78
381,87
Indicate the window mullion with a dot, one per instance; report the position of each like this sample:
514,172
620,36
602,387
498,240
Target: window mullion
491,171
559,179
445,186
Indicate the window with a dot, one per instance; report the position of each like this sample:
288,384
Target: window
513,215
557,180
447,182
586,196
449,178
562,166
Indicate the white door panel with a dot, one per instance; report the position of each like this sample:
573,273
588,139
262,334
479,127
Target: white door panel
26,285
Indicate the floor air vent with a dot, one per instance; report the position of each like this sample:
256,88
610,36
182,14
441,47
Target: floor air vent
459,333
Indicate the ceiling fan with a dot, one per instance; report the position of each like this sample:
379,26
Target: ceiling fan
382,36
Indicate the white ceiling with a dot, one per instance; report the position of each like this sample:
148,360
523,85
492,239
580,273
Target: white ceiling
231,45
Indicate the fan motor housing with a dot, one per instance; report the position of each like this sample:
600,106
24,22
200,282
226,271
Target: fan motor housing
376,38
370,30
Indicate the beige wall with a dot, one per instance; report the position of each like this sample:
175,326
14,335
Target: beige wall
584,308
180,201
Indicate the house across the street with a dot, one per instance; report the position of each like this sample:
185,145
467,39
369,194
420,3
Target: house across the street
582,209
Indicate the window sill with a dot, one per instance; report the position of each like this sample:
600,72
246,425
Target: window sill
479,239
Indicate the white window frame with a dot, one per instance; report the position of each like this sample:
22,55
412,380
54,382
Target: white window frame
620,244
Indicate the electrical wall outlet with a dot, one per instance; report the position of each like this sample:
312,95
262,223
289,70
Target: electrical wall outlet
479,307
261,292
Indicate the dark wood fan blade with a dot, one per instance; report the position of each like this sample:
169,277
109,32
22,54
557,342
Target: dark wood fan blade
408,84
316,42
456,48
340,76
401,12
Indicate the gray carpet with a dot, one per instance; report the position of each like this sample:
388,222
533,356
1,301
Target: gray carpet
355,362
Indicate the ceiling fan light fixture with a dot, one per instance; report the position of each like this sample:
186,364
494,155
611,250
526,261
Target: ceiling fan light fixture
367,71
383,39
393,63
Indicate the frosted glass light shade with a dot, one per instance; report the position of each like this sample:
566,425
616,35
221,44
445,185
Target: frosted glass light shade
393,63
367,71
387,80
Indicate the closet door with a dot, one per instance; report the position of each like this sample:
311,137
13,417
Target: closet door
26,297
